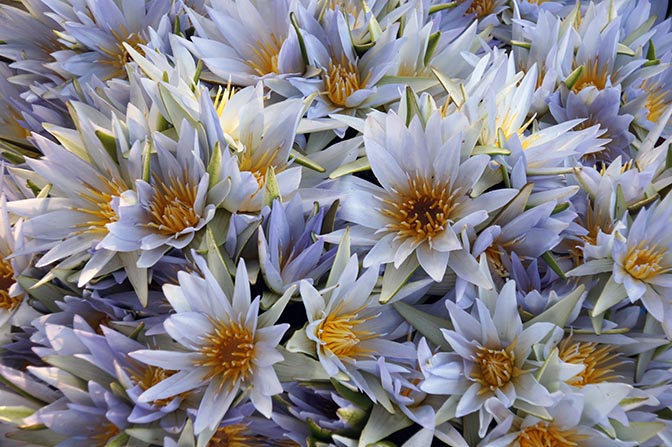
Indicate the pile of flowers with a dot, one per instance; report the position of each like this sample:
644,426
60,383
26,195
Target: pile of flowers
335,223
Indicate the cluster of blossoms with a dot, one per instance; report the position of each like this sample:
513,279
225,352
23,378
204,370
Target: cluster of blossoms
335,223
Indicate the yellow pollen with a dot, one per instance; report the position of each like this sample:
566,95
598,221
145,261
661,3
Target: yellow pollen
239,435
644,262
494,257
119,56
494,368
151,375
228,352
591,75
104,433
266,56
258,164
100,208
657,100
423,211
6,281
482,8
340,333
223,97
342,80
172,206
544,434
598,361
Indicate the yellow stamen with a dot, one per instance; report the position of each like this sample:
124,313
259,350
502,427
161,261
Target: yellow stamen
657,100
266,56
544,434
482,8
228,352
6,281
423,211
644,261
119,56
172,206
150,376
104,433
592,75
598,361
239,435
101,211
223,97
342,79
494,368
341,335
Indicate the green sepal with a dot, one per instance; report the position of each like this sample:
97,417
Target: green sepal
305,161
426,324
395,278
553,264
440,7
624,50
574,76
359,165
521,44
432,43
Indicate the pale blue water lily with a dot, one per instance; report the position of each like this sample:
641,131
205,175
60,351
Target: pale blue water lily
347,82
287,251
423,203
226,347
94,33
348,327
167,211
245,41
490,358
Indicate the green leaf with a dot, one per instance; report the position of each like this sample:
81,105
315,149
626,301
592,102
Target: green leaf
412,107
120,440
428,325
521,44
651,51
215,165
455,90
302,43
109,142
395,278
47,294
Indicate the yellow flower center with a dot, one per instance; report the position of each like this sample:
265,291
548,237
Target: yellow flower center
657,100
342,80
119,56
238,435
598,361
266,56
591,75
644,262
104,433
543,434
228,352
341,334
100,208
423,211
172,206
6,280
494,368
482,8
151,375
